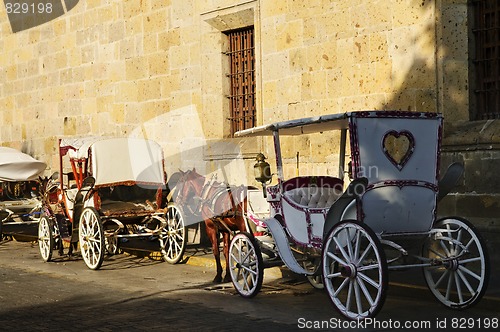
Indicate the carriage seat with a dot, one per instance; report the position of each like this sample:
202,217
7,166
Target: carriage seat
314,197
127,200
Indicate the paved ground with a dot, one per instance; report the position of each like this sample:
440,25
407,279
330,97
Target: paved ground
132,293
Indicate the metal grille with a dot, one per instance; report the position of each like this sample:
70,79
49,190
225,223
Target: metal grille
486,65
242,76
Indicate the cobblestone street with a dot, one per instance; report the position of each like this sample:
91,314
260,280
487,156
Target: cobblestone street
132,293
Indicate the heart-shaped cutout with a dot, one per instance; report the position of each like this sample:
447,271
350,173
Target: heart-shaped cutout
398,147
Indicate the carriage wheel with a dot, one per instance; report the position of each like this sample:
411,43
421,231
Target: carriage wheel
355,272
315,280
246,265
174,236
91,236
111,244
46,241
460,275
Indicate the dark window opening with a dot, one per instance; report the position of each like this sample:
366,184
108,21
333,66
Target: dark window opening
487,57
242,78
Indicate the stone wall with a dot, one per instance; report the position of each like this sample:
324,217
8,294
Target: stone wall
157,69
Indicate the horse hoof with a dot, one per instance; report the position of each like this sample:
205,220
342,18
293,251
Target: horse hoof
218,280
227,279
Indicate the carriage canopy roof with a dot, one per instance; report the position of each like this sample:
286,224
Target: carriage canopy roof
18,166
299,126
323,123
113,161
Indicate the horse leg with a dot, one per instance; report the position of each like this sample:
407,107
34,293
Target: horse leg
226,236
212,235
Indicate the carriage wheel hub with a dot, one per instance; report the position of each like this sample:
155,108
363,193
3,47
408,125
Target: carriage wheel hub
348,271
452,265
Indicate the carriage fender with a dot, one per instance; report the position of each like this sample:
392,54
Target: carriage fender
449,179
345,204
283,246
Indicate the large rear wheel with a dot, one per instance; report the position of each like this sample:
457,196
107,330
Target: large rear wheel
460,268
91,236
246,265
355,272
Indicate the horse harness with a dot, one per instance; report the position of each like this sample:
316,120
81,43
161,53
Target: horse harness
210,202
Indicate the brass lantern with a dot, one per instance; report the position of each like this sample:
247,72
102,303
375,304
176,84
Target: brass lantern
262,171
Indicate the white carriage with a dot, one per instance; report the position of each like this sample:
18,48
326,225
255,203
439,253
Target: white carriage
385,219
19,196
115,191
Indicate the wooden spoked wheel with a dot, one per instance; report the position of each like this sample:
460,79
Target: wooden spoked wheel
174,236
355,272
246,265
46,242
459,274
91,236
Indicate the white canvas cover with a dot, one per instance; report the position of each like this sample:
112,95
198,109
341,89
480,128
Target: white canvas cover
124,161
18,166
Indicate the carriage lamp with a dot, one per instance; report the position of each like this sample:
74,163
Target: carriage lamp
262,171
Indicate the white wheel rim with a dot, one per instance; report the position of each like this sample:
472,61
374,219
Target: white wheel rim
44,238
356,289
91,239
459,281
244,267
172,238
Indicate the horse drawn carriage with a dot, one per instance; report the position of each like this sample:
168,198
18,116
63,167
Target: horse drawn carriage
352,234
115,191
19,196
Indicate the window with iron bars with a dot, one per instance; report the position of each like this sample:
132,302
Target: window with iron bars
486,33
242,78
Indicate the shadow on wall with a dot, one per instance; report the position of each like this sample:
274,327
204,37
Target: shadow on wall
27,14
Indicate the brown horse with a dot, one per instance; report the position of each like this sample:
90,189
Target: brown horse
220,206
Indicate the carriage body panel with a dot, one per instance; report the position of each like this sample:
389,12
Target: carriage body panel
399,155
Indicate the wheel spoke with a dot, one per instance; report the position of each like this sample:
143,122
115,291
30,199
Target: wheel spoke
349,246
342,251
349,295
443,245
358,297
252,272
368,267
365,253
465,282
469,272
356,249
333,275
341,287
448,289
337,259
459,287
365,291
368,280
459,240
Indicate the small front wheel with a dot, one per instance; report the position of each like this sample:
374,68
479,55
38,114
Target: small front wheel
355,271
246,265
174,236
46,242
91,236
